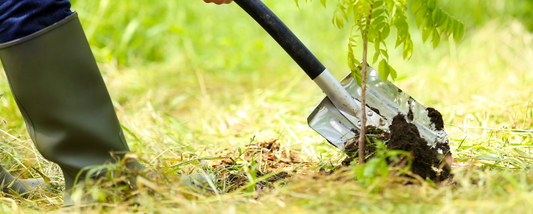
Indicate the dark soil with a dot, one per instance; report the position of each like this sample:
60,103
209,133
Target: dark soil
405,136
352,147
410,115
240,179
436,118
374,109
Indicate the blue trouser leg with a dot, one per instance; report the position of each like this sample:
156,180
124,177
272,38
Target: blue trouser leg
19,18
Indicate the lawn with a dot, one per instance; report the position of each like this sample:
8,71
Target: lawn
196,86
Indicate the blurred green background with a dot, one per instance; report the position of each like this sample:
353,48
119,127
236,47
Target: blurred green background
149,31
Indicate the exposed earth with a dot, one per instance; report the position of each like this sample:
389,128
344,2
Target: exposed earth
427,162
273,160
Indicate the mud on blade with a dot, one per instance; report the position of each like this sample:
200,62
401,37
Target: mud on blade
386,99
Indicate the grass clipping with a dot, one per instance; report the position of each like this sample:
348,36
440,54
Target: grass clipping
428,162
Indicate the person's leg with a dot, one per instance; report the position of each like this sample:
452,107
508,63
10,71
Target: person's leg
19,18
63,98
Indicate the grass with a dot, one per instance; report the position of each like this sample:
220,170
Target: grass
189,80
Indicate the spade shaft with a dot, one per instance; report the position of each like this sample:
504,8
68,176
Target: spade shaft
341,99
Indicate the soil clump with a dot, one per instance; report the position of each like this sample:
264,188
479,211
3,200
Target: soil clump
435,118
425,159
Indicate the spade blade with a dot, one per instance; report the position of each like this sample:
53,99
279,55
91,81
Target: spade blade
385,99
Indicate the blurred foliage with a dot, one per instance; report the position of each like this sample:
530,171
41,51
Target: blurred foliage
148,31
478,12
374,19
124,30
192,33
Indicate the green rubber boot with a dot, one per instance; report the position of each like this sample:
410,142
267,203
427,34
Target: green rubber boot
11,184
64,101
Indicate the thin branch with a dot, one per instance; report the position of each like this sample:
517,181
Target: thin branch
362,135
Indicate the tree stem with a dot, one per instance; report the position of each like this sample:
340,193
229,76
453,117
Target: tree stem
362,137
362,134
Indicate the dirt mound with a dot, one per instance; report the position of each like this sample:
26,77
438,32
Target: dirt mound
405,136
427,162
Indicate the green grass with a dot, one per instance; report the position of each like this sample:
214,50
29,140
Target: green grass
190,79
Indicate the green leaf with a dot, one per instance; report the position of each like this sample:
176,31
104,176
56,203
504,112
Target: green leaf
454,26
376,57
407,49
449,25
323,2
392,73
383,70
377,12
349,11
378,21
297,5
436,38
352,43
417,4
371,34
358,77
420,17
378,3
432,4
400,25
425,33
384,53
458,31
442,20
371,168
455,29
351,63
428,22
396,4
364,9
385,32
436,15
381,26
383,169
345,12
384,44
402,29
399,40
338,19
